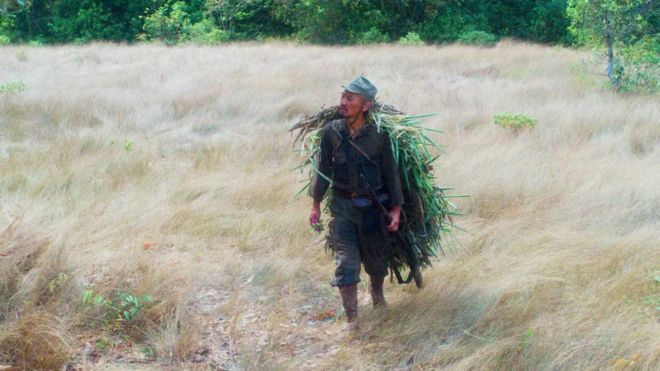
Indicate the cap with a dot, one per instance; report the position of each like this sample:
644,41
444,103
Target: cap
360,85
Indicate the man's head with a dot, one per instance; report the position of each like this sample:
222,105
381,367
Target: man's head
357,97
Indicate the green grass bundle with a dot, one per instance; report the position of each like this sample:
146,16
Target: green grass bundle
426,212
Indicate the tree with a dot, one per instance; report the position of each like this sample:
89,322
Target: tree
619,24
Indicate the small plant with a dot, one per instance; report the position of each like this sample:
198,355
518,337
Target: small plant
58,282
654,300
526,339
128,145
411,38
515,121
478,38
12,87
317,227
119,311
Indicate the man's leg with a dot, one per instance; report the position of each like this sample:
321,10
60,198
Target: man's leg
349,300
374,243
377,294
344,240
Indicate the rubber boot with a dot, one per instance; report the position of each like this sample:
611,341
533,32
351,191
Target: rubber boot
350,301
377,295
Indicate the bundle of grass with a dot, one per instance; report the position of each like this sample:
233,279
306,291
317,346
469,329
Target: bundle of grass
426,213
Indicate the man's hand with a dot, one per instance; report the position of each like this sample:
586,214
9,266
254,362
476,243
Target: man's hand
315,215
395,214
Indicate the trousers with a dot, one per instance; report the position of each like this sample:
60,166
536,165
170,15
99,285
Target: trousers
357,236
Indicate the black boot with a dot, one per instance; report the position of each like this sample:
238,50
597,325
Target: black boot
377,295
350,302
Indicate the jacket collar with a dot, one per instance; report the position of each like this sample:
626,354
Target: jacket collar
366,130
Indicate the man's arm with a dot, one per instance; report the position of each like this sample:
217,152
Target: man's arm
320,183
393,184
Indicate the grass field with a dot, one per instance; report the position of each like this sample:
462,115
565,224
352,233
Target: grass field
159,171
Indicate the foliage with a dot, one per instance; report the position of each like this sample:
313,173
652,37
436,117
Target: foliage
330,21
205,32
173,23
317,21
243,20
515,121
168,24
411,38
58,282
479,38
654,300
374,35
6,24
118,312
542,21
629,32
12,87
640,66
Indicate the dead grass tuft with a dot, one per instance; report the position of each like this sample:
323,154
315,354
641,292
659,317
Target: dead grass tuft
37,340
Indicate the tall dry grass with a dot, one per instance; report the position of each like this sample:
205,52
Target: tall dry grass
165,171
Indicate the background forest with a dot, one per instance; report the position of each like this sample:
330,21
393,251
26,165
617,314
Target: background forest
626,30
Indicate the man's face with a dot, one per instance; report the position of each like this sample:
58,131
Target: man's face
352,104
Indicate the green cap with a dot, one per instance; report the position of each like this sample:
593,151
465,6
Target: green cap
360,85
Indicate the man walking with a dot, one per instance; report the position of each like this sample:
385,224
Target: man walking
357,162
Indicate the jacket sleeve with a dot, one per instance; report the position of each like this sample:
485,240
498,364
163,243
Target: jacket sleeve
391,173
323,165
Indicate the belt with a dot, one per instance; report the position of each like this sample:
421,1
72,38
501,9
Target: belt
346,194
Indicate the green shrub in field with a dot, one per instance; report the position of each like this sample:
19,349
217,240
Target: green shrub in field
12,87
411,38
118,312
478,38
515,121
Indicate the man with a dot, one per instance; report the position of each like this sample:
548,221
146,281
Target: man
357,162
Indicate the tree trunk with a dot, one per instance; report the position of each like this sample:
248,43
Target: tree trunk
609,40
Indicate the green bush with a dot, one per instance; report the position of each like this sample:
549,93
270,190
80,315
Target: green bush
478,38
168,24
411,38
12,87
638,67
115,313
205,32
172,24
515,121
373,36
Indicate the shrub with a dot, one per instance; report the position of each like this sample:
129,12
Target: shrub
12,87
411,38
173,24
115,313
168,24
515,121
205,32
638,67
478,38
373,36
